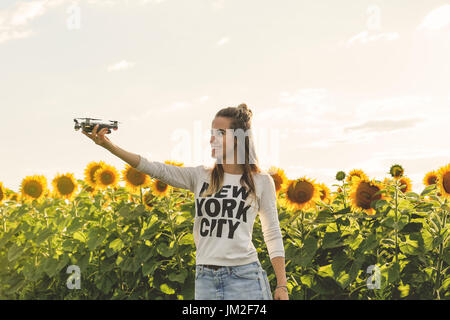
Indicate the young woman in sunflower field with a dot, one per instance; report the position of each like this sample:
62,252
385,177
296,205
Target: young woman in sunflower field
227,199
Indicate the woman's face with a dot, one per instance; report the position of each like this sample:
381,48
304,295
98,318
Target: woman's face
219,137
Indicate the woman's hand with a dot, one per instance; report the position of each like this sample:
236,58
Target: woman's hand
281,293
99,138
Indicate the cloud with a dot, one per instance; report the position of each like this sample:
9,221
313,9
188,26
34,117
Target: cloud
437,19
410,153
365,37
13,34
15,20
385,125
116,2
309,104
218,4
222,41
395,107
203,99
122,65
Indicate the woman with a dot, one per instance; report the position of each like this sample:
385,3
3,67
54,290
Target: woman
227,199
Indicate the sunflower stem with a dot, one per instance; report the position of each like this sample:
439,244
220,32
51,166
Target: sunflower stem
345,194
440,260
302,227
3,219
396,224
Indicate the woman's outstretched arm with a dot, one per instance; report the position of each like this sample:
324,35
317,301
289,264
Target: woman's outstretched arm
102,140
179,177
131,158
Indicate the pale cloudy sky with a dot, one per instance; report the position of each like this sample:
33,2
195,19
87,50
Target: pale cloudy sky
334,85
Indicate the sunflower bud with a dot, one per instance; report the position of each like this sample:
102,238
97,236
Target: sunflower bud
396,171
340,176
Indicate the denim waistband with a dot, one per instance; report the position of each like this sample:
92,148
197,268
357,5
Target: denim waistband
226,269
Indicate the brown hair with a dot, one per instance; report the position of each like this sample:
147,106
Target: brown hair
240,119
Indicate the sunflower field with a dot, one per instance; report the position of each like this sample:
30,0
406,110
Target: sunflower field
93,239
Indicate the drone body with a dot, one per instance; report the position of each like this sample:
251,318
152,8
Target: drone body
88,124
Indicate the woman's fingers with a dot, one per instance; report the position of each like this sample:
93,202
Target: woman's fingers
98,137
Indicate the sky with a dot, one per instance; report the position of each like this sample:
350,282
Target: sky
333,85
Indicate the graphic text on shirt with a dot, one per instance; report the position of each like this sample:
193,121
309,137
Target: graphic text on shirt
222,209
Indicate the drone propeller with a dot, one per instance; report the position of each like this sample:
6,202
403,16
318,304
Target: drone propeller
88,119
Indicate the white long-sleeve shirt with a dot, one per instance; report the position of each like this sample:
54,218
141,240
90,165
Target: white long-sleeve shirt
223,223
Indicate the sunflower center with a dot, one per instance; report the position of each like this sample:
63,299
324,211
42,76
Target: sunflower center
302,192
65,185
148,199
432,179
1,195
161,186
403,185
366,194
33,189
135,177
277,180
92,172
446,182
107,178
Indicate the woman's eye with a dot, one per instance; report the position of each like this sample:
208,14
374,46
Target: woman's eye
216,133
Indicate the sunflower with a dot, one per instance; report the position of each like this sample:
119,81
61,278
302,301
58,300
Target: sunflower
340,176
134,179
325,194
279,178
356,173
34,188
405,184
90,190
362,194
65,186
443,181
89,173
159,188
430,178
396,171
174,163
12,196
2,193
301,194
148,199
106,176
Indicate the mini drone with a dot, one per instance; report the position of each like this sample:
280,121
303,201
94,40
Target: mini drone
88,124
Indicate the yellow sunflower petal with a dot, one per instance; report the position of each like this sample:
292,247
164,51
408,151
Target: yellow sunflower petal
301,194
33,188
443,181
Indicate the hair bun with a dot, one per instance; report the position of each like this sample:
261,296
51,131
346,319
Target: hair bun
244,112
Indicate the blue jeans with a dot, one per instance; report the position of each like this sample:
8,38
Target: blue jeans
245,282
